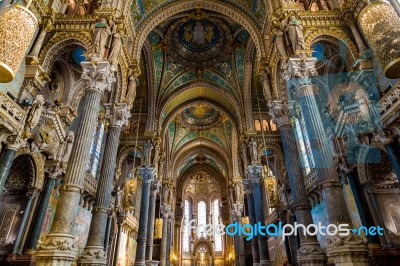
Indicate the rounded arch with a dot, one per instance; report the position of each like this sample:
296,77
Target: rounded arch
338,34
174,8
201,241
36,163
61,43
191,148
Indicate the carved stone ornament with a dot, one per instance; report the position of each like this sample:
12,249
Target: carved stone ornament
93,254
279,112
56,242
299,71
119,115
98,75
349,240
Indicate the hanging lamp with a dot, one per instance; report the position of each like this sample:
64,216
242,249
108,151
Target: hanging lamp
17,28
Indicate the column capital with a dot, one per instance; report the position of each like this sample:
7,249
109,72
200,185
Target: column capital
147,174
98,75
254,173
384,137
155,187
15,142
247,186
299,71
237,209
54,168
119,114
279,112
166,210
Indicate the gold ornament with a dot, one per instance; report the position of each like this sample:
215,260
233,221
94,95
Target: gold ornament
158,228
381,26
246,220
130,194
17,27
270,187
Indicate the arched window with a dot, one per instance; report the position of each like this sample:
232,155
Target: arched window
186,229
95,150
202,216
303,143
215,221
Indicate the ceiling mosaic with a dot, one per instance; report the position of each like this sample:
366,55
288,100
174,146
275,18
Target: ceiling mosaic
199,41
200,116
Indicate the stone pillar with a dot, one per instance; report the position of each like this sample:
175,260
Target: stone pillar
7,158
34,53
254,174
147,175
299,73
155,186
238,240
58,247
349,19
53,172
252,218
31,195
94,253
310,252
169,238
166,210
120,221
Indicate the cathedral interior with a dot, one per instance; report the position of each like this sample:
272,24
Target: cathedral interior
127,127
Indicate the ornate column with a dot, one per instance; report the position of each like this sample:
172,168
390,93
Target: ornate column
120,221
166,210
155,186
299,73
53,170
239,243
254,175
94,253
252,217
147,174
58,247
31,195
392,149
33,55
7,158
310,252
349,19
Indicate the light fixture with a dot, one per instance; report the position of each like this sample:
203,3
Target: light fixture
17,27
381,26
158,228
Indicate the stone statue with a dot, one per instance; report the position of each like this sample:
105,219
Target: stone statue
278,38
36,110
244,155
101,35
294,30
167,193
265,85
283,197
132,85
148,148
361,96
116,45
69,141
238,192
252,145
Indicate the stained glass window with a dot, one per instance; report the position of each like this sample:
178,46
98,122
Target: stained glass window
95,150
215,217
186,229
202,216
303,144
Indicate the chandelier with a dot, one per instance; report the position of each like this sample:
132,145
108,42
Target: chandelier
130,190
17,27
271,187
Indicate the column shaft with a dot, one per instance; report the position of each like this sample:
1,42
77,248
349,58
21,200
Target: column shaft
23,223
6,161
252,217
94,253
40,213
115,262
163,249
147,174
394,156
150,225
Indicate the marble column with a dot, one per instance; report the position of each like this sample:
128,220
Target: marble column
34,53
59,247
31,195
254,174
239,243
7,158
310,252
94,253
252,217
298,74
351,22
155,186
53,171
166,210
120,221
147,174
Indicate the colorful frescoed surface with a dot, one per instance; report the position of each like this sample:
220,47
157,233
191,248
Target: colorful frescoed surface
50,211
82,226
